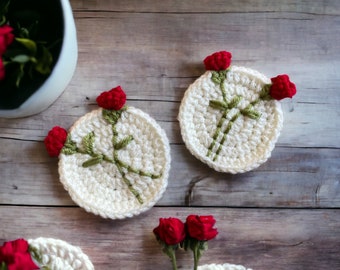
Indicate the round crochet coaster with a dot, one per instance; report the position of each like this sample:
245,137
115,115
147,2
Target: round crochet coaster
59,255
225,266
229,118
114,162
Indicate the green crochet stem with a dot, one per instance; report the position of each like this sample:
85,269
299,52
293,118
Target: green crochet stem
38,258
87,148
224,106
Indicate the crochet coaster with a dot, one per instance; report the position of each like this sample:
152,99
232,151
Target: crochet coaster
230,117
115,160
59,255
42,253
225,266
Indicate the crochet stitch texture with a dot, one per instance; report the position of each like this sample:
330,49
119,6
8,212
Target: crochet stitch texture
225,123
125,167
60,255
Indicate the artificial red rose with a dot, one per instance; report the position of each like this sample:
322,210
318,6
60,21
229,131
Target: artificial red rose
170,230
201,227
55,141
16,256
218,61
6,37
282,87
2,70
113,99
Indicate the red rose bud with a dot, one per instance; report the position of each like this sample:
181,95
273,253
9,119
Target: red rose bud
55,140
15,255
218,61
113,99
282,87
6,37
170,230
201,227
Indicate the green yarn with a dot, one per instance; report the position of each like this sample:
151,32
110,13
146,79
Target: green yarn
87,148
88,142
70,147
123,143
219,78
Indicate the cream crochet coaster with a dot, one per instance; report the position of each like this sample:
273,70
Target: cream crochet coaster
59,255
128,178
228,118
115,160
225,266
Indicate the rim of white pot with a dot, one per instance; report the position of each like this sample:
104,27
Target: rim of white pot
60,76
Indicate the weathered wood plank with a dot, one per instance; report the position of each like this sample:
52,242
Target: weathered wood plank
292,177
204,6
307,125
156,66
261,239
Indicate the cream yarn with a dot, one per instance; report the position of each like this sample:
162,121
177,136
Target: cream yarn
100,188
249,142
60,255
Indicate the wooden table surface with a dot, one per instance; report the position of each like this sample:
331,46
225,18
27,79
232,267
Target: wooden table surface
283,215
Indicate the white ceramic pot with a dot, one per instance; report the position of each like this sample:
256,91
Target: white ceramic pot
60,76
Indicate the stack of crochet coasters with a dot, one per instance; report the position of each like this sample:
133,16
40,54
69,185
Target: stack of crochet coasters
59,255
115,160
230,117
225,266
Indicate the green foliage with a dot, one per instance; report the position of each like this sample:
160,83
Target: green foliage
29,56
3,266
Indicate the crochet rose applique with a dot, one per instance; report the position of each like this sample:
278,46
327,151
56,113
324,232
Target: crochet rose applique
114,155
230,117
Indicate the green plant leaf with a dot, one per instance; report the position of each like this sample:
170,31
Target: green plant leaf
20,75
21,58
43,65
28,44
3,11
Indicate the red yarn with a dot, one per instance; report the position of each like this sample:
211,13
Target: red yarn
113,99
6,37
282,87
15,255
218,61
55,141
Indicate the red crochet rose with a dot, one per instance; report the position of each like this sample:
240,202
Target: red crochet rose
282,87
16,256
201,227
6,37
2,70
170,230
218,61
55,140
113,99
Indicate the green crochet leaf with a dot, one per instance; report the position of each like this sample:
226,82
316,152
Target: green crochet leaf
93,161
70,147
123,143
88,142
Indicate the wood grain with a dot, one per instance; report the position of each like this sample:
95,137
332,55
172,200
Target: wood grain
261,239
290,178
283,215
